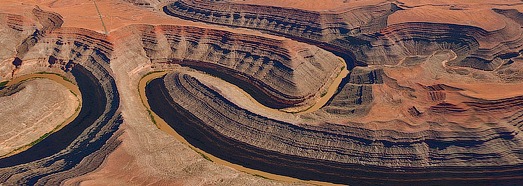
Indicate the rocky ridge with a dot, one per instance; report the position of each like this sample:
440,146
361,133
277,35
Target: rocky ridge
379,127
365,33
80,146
278,73
433,147
454,132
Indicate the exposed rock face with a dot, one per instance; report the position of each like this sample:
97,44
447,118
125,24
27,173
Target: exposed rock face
35,109
278,73
421,104
81,145
432,130
365,33
333,30
274,66
212,123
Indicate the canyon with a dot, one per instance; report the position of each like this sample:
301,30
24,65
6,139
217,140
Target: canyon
228,92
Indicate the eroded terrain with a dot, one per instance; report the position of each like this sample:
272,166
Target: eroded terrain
348,92
36,108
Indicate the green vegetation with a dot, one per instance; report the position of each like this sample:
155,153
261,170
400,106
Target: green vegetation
43,72
154,120
52,131
204,156
323,94
257,175
152,117
40,139
73,93
3,84
201,154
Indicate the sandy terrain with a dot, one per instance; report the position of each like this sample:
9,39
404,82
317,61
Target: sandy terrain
404,102
160,158
313,5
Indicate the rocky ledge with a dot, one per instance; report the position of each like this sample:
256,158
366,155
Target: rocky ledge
278,72
376,34
351,153
79,147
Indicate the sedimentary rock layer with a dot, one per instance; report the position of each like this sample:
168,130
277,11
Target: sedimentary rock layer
437,153
329,29
393,120
37,108
374,34
278,72
81,145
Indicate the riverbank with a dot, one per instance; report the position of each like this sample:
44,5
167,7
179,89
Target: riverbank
60,80
164,126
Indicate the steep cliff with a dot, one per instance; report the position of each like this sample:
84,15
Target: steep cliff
371,34
423,152
80,146
278,73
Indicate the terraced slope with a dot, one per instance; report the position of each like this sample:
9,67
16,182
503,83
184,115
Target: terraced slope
80,146
431,154
278,73
433,95
36,108
375,34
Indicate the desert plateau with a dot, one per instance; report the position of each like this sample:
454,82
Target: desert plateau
261,92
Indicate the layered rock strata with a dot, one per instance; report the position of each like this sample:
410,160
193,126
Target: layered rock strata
354,95
35,108
329,30
351,154
385,125
278,73
374,35
81,145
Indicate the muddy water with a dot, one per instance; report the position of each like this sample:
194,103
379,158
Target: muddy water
331,90
69,85
148,97
93,105
151,82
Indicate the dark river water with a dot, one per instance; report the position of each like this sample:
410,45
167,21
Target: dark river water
205,138
93,105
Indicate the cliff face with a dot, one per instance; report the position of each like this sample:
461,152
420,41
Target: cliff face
333,31
278,73
80,146
388,114
420,105
364,33
213,123
271,69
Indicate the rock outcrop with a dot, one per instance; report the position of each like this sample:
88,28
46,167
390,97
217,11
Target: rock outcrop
35,108
374,34
278,73
81,145
420,105
430,152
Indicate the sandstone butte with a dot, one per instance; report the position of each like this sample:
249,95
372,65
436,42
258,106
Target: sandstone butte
252,92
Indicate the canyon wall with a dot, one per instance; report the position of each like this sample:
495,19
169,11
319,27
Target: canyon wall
278,73
429,152
365,33
81,145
